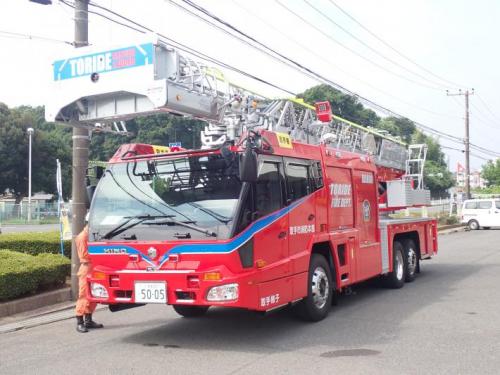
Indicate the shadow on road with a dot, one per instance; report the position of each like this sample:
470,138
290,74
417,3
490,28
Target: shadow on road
347,325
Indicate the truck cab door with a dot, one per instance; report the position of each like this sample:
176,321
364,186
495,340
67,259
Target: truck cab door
270,224
302,217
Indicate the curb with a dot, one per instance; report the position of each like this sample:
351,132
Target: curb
34,302
451,226
452,230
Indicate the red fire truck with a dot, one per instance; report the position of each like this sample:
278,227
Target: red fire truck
277,208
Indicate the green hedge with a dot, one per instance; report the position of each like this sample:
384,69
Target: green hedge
34,243
22,274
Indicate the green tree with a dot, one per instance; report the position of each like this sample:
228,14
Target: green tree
400,127
156,130
491,173
437,178
345,106
48,144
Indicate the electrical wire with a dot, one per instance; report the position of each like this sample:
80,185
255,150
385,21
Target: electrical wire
487,107
463,151
322,78
381,67
208,58
322,58
392,48
479,117
9,34
484,150
483,117
374,50
178,45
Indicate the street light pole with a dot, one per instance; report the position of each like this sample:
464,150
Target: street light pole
30,133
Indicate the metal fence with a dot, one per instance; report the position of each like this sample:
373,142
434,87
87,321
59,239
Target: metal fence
20,213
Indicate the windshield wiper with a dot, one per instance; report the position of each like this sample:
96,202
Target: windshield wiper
215,215
187,224
129,223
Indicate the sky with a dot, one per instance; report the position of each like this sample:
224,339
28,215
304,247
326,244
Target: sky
454,43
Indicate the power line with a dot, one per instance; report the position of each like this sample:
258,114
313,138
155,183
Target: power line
10,34
352,50
377,52
268,50
220,63
178,45
317,75
462,151
487,107
391,47
321,57
485,150
479,116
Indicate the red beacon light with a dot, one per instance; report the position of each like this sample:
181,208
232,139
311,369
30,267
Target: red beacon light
323,111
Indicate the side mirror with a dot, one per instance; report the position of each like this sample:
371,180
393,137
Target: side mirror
248,166
99,171
90,194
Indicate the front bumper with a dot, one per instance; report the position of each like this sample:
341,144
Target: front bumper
183,287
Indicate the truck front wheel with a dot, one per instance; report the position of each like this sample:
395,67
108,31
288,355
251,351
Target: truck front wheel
316,305
396,278
190,311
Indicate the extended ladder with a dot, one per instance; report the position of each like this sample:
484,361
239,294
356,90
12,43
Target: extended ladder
95,88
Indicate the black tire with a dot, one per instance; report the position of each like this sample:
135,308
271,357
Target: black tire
396,278
412,260
316,305
190,311
473,225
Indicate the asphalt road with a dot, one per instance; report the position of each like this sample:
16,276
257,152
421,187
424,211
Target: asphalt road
446,322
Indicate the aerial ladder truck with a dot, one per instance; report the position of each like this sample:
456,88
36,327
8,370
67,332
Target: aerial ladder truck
284,203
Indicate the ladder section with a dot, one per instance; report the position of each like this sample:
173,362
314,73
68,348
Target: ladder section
100,89
417,154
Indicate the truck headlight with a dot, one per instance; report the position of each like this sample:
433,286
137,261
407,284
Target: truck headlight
98,291
228,292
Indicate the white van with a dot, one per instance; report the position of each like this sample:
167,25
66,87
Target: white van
481,213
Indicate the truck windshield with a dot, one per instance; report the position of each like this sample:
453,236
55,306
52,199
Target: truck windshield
181,198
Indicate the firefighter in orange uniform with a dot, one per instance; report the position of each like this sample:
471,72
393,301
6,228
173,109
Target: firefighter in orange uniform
84,308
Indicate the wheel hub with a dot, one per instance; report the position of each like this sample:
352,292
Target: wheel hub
412,261
399,266
320,287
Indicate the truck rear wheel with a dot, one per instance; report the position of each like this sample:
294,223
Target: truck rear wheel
316,305
411,260
396,278
190,311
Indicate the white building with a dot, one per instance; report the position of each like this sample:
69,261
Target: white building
475,179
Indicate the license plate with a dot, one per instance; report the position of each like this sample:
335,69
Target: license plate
150,292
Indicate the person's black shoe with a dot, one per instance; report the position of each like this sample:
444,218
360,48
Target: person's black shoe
80,325
90,324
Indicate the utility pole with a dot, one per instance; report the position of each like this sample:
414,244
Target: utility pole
466,139
80,155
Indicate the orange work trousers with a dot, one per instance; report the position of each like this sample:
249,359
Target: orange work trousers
83,305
